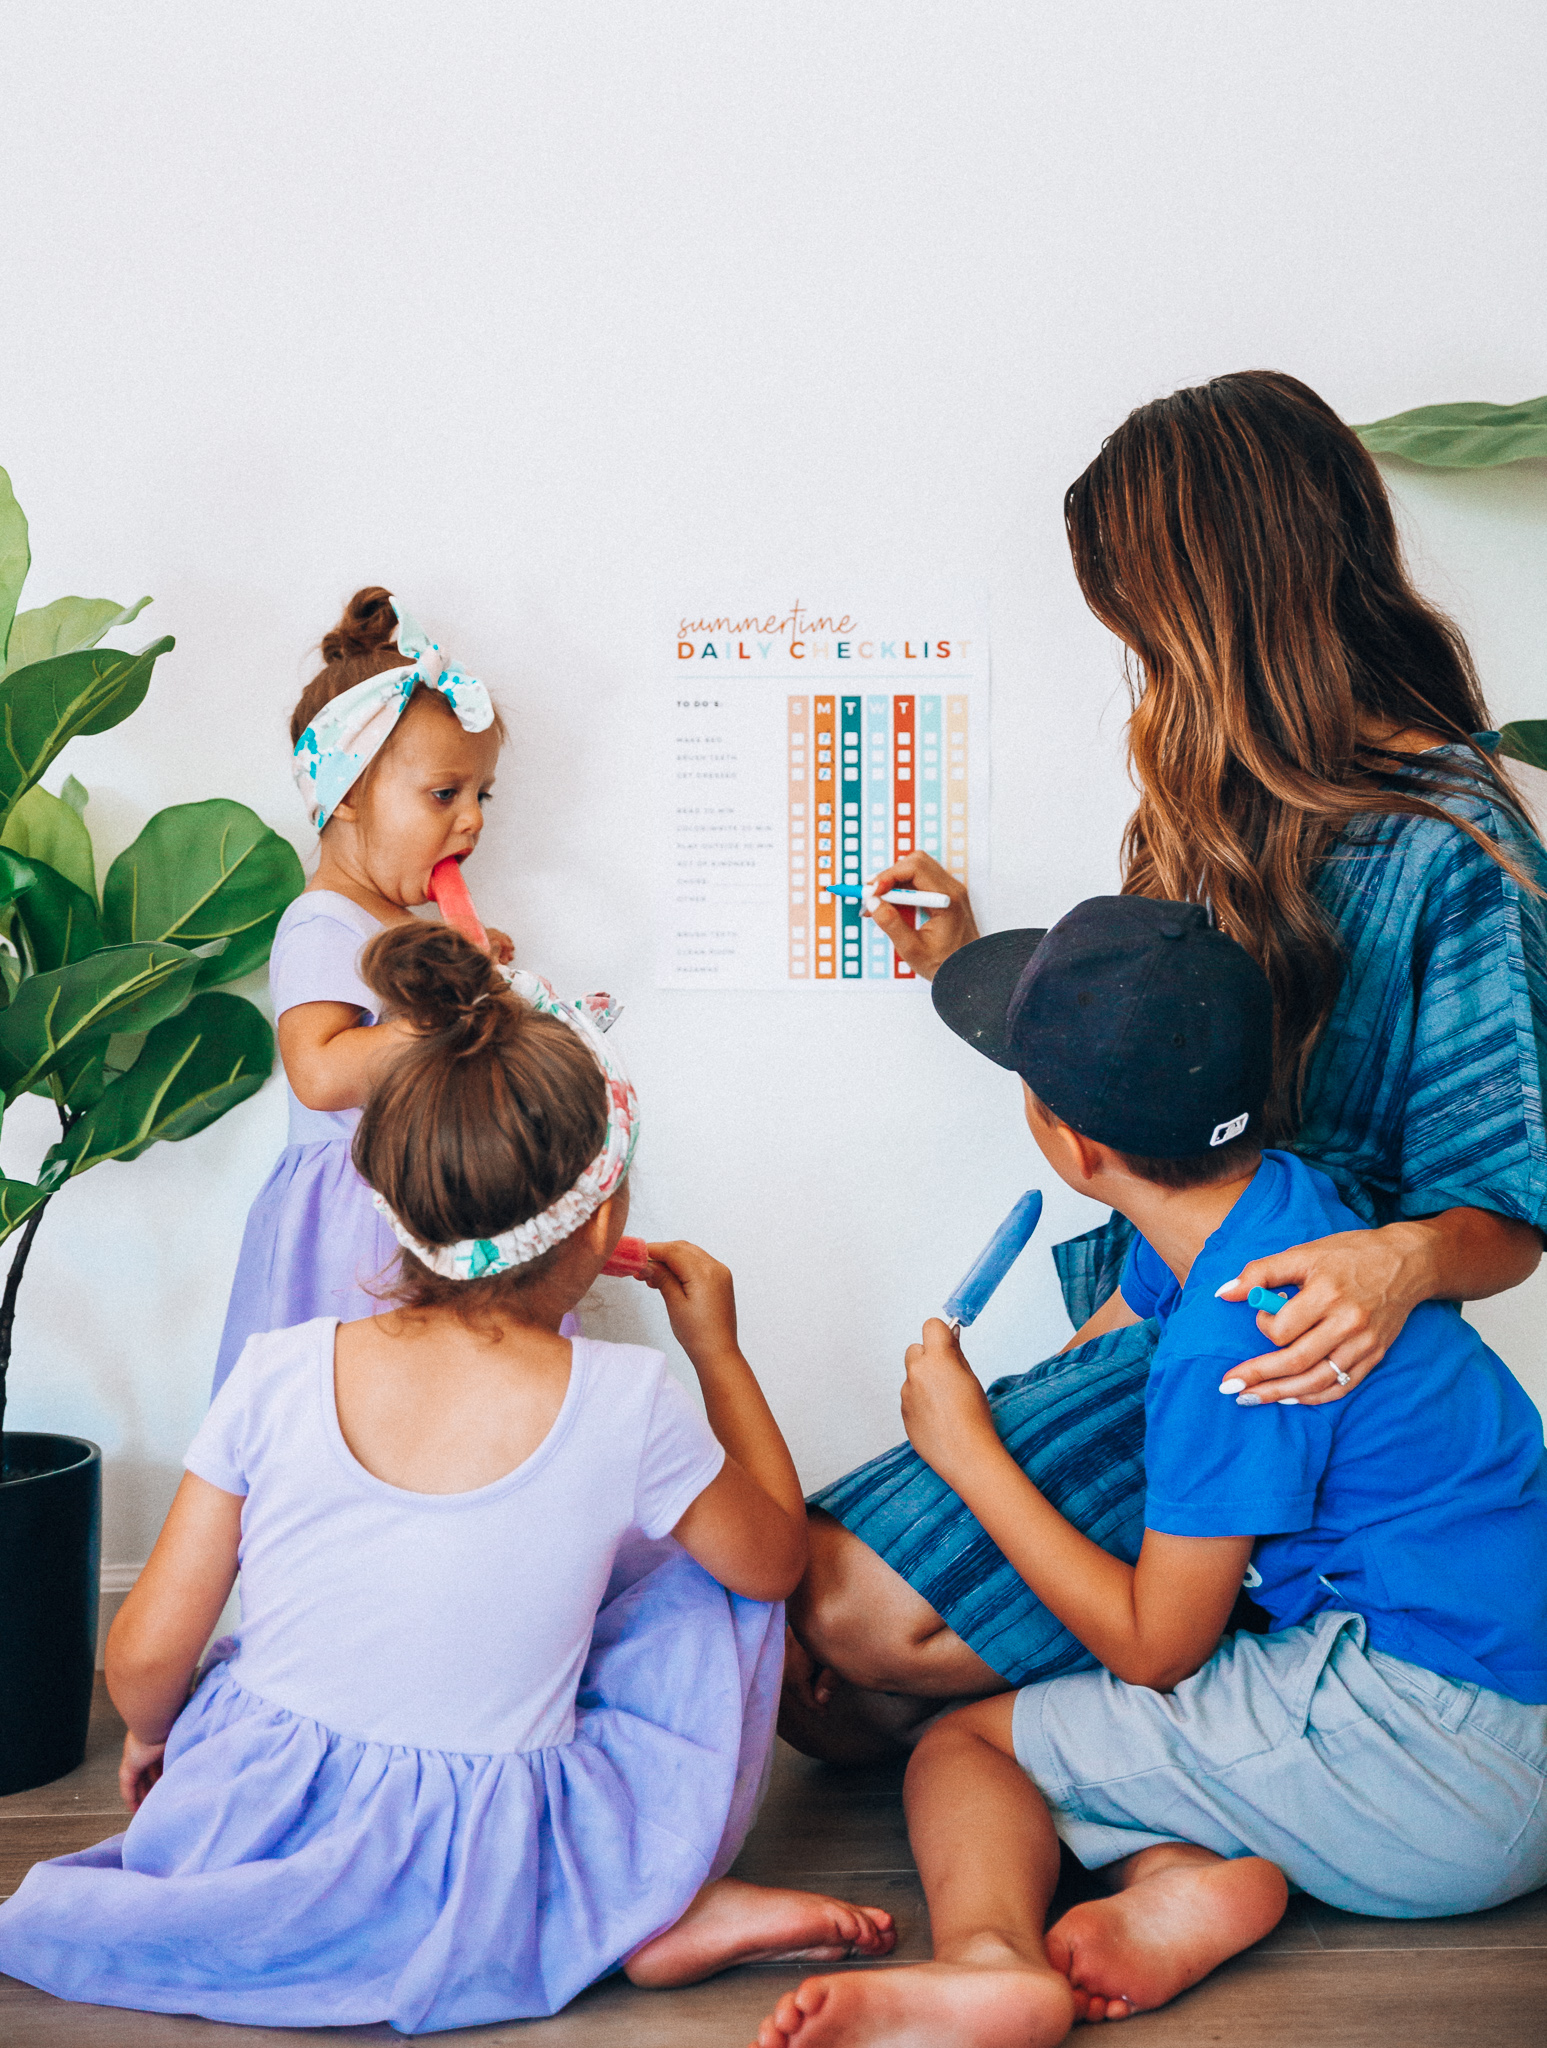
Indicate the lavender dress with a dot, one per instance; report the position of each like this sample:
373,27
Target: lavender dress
467,1751
314,1242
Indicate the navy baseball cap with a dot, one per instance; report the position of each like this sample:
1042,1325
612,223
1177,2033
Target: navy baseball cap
1132,1019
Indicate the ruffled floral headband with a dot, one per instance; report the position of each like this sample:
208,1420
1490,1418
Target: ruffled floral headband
348,733
475,1258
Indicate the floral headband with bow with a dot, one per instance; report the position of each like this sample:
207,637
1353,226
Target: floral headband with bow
348,733
475,1258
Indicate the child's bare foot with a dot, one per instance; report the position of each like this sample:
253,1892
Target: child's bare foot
730,1923
930,2005
1168,1928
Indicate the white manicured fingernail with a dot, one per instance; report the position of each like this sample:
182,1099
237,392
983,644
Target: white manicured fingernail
1219,1291
1232,1386
1247,1401
1289,1401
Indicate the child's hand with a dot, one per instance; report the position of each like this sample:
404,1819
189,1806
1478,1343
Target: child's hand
502,947
139,1769
944,1410
700,1298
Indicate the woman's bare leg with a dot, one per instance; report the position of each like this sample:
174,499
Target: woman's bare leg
989,1860
874,1647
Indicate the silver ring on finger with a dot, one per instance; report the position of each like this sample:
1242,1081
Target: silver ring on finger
1344,1379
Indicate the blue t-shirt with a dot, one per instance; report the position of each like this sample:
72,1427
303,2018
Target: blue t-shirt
1420,1501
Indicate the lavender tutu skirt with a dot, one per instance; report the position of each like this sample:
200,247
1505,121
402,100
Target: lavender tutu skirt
313,1245
283,1875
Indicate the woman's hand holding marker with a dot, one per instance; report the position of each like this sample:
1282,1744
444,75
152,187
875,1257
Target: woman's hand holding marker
923,949
1353,1293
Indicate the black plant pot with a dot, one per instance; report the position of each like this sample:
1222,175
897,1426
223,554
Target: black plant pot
50,1550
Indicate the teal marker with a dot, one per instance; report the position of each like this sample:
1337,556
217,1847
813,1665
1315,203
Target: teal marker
1265,1299
921,899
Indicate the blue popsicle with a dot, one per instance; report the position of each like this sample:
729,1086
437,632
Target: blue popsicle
1000,1254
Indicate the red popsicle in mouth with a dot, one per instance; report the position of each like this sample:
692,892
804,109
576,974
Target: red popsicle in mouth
630,1259
456,905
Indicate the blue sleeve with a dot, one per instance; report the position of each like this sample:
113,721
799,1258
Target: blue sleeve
1212,1469
1472,1129
1148,1284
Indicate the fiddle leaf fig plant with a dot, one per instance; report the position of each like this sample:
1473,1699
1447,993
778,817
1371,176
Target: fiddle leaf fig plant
1472,435
110,1005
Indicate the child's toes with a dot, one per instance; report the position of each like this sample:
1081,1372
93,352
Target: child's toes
779,2025
791,2014
878,1936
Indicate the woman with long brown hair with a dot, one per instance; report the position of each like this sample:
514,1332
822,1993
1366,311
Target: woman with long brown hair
1309,741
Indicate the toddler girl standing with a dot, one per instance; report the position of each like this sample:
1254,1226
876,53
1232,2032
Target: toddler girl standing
394,757
486,1731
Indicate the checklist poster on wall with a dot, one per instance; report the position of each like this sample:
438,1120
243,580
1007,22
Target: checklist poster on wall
802,745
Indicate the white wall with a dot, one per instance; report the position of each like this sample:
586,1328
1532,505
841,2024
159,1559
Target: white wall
556,316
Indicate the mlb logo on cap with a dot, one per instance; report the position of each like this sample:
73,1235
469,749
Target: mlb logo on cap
1133,1020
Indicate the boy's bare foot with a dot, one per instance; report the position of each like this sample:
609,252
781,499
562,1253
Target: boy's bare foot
930,2005
730,1923
1168,1928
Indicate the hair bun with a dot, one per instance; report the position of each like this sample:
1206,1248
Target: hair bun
437,981
368,626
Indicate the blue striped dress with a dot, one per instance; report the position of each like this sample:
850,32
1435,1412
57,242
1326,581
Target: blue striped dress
1425,1093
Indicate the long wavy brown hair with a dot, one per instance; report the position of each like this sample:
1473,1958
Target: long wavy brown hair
1238,538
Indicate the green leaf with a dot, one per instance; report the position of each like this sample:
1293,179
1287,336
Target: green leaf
201,872
56,1015
43,707
1526,741
76,795
16,876
193,1069
15,557
60,921
64,626
46,828
1470,435
79,1081
18,1199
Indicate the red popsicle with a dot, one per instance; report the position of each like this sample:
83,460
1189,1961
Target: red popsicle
456,905
630,1259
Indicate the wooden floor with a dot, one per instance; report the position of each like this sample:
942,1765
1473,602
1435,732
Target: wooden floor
1322,1980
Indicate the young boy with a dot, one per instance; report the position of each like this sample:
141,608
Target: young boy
1385,1747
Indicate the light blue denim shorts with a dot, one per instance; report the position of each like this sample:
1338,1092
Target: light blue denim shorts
1372,1783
